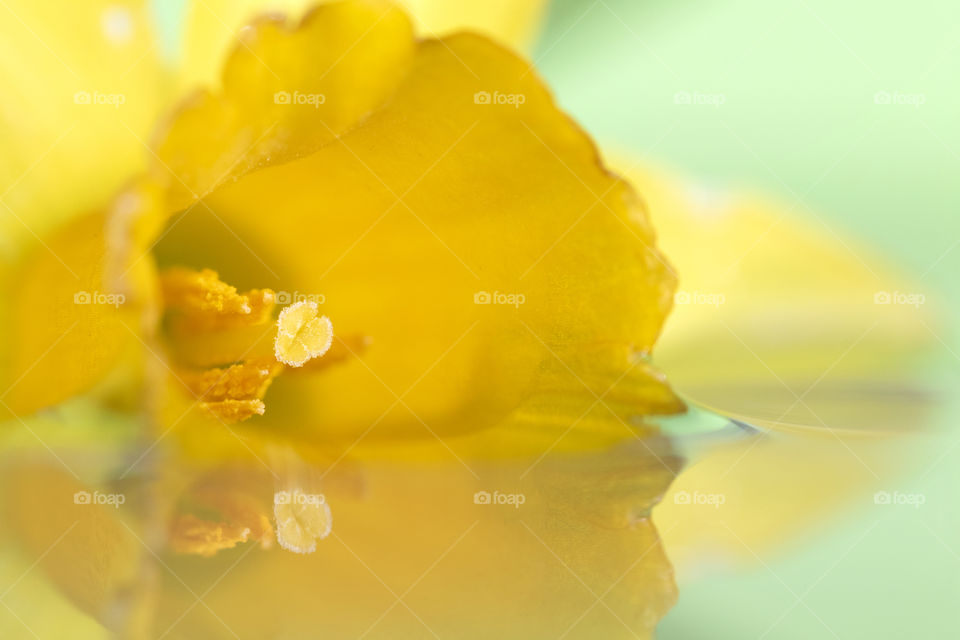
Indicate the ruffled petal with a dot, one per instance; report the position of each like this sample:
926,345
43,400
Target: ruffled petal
511,22
445,210
214,26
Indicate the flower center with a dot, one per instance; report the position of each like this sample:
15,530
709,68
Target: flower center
219,340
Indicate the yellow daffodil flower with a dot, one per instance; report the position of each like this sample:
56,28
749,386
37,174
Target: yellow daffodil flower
474,323
357,341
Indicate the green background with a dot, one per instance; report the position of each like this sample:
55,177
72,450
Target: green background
800,122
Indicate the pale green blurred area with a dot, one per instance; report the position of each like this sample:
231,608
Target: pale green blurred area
799,121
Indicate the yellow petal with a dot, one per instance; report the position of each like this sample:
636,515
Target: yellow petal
77,537
66,330
95,81
35,605
782,321
786,325
749,500
75,118
273,106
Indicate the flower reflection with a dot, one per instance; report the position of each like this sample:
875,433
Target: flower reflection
546,544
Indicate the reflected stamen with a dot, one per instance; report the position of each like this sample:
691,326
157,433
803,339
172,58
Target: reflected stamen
302,519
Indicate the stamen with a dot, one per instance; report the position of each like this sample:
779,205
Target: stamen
202,302
220,344
233,411
235,393
237,382
302,334
220,510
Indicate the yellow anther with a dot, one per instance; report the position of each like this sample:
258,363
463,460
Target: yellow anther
233,411
200,301
235,393
302,334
